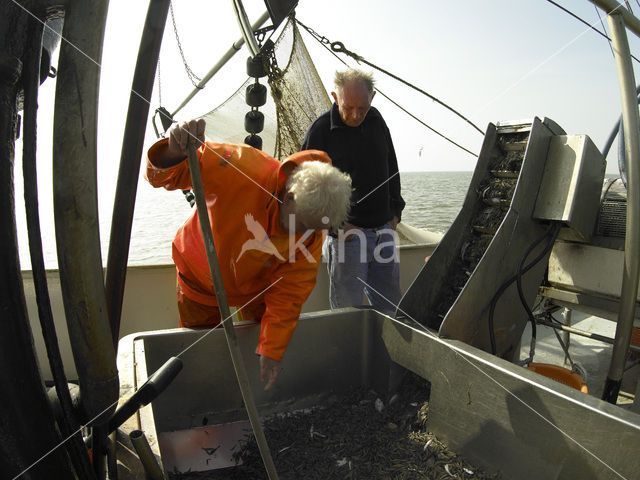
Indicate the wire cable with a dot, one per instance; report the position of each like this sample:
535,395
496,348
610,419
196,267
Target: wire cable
340,48
586,23
325,43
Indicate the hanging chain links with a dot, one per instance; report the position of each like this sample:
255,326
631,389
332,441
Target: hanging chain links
192,76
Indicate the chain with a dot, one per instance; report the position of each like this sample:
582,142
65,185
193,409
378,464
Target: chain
192,76
274,69
316,35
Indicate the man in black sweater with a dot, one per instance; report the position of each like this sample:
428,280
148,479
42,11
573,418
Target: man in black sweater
362,255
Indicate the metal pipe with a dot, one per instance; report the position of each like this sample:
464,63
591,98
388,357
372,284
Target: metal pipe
245,26
611,6
582,333
76,207
235,47
132,145
631,270
225,313
147,458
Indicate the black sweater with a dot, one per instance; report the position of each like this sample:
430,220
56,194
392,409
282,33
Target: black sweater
366,153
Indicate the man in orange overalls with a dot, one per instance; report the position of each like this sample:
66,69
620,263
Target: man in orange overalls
267,219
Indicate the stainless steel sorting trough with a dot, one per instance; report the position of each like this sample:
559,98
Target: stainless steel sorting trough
498,415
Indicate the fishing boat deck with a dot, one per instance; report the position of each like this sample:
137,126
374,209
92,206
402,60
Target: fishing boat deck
591,356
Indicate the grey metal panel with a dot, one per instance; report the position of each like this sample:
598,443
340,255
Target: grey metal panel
591,304
508,419
327,353
587,269
464,313
571,185
423,292
468,318
498,415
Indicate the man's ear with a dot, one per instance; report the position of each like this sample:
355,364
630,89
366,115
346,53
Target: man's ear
335,97
288,167
290,197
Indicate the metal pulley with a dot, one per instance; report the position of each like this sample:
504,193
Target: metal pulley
256,95
254,121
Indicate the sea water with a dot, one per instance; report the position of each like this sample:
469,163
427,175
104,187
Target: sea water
433,199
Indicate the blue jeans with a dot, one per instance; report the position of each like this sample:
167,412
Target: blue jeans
364,261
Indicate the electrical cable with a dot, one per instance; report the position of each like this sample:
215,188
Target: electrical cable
523,300
550,233
622,156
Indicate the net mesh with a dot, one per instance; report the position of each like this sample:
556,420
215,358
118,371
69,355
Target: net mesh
297,98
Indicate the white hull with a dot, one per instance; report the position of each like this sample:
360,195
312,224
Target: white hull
150,301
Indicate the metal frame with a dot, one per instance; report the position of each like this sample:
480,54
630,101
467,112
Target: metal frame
619,19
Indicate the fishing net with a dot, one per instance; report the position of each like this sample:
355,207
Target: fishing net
297,98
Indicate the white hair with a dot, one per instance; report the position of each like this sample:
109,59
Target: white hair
321,190
353,75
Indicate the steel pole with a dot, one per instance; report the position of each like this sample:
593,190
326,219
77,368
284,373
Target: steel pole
245,26
629,291
225,314
235,47
611,6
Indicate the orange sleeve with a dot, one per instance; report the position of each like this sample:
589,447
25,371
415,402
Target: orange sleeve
292,283
172,178
214,174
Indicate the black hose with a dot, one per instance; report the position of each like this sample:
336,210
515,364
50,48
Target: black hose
132,145
532,319
622,156
149,390
550,233
68,424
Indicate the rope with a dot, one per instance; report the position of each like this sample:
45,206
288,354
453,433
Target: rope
192,76
421,122
325,42
604,29
340,48
586,23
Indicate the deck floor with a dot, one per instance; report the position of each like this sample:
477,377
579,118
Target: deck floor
591,355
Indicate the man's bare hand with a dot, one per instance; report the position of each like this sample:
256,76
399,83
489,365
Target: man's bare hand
179,136
269,371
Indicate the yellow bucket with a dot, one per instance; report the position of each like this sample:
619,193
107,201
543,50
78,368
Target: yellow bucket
559,374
